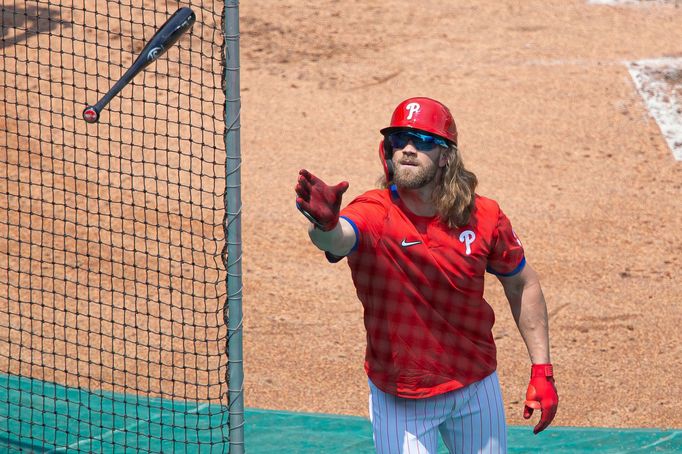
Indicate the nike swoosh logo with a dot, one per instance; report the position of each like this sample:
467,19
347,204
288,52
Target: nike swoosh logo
410,243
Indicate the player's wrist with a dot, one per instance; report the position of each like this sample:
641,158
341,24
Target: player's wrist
328,224
325,227
542,370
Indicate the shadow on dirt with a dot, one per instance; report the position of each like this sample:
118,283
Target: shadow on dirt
20,23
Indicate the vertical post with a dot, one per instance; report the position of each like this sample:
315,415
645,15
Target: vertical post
233,209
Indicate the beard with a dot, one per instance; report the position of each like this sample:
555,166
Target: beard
414,177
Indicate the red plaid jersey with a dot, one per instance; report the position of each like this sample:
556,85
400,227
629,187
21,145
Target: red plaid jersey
421,287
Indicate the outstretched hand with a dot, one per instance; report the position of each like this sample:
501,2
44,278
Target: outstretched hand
541,395
319,202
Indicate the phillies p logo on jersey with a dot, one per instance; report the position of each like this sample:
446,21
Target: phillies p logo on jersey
467,237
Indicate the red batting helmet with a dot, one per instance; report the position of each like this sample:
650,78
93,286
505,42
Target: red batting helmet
424,114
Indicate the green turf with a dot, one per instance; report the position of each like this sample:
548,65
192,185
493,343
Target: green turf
37,416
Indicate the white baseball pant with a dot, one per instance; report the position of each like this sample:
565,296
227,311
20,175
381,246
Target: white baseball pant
469,419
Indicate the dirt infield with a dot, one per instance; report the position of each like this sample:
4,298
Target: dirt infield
549,120
551,123
110,268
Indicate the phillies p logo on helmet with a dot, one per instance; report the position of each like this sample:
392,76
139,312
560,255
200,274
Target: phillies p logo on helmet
413,108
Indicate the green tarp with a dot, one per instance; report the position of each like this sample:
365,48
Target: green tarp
37,416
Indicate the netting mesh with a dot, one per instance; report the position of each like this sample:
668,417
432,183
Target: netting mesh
111,276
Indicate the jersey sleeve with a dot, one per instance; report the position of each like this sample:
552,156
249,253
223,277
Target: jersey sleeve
365,214
506,255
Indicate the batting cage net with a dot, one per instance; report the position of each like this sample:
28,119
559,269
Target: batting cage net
113,331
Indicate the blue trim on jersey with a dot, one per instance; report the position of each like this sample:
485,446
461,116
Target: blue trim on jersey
357,232
517,270
335,258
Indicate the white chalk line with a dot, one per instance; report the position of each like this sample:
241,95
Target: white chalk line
660,96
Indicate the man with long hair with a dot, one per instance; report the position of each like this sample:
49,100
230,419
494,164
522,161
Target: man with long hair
418,249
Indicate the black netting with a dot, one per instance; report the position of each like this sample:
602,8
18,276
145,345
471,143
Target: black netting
112,285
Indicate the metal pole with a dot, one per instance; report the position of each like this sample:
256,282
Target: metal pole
233,209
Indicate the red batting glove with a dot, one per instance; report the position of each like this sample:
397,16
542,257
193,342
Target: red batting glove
319,202
541,395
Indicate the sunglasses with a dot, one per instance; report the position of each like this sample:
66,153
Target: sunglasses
421,141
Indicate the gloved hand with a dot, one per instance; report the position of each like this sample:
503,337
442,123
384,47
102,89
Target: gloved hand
319,202
541,395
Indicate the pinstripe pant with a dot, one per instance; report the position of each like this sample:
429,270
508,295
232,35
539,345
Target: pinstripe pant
470,420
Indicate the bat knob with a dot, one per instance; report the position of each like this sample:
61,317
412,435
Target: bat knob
90,115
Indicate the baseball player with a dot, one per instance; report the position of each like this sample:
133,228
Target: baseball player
418,249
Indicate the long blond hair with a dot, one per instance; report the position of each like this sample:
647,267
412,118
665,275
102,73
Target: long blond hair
455,192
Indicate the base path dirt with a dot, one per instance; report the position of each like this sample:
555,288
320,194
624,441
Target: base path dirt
552,124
